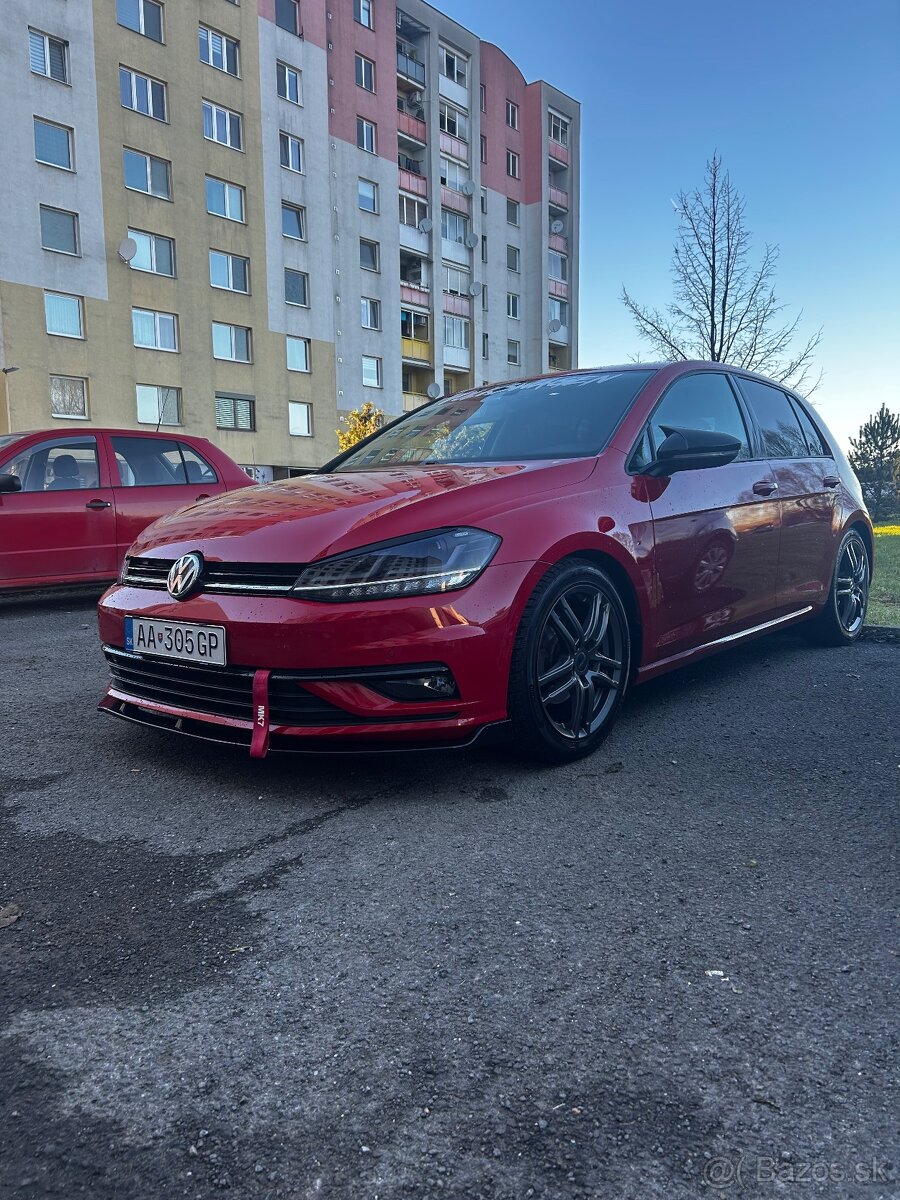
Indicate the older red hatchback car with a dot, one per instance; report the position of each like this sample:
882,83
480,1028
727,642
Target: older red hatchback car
72,504
513,555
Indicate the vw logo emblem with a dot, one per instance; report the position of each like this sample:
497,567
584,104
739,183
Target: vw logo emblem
184,575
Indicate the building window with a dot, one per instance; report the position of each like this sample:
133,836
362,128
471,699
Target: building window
513,258
412,211
453,121
512,115
365,73
158,405
222,125
456,332
48,56
414,325
485,346
142,94
224,199
484,201
299,418
232,343
484,248
59,230
154,330
145,173
293,221
230,272
558,310
483,98
483,148
296,287
297,354
219,51
452,65
289,83
453,174
291,152
64,315
362,12
370,313
368,195
68,398
559,129
371,371
365,135
457,281
287,15
512,212
484,298
512,353
235,412
454,226
512,164
155,253
557,266
52,144
368,255
143,16
512,305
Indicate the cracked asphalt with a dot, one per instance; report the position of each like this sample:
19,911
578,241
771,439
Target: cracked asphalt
454,975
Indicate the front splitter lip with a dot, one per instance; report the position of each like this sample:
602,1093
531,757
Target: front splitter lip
312,740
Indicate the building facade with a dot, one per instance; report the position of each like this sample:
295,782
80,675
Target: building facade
242,219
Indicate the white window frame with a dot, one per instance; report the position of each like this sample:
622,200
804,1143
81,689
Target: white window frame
363,13
517,209
512,164
148,160
233,123
369,133
297,303
235,400
512,305
162,404
133,77
76,229
66,296
374,186
459,220
298,208
225,43
35,36
449,114
553,256
453,65
457,332
289,83
454,174
291,342
558,127
70,144
157,324
365,73
371,307
412,206
233,340
379,370
369,242
152,240
512,115
510,360
516,257
229,268
295,408
558,310
229,189
85,398
456,280
294,147
141,27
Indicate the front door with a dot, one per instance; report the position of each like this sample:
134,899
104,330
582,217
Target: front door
716,530
61,527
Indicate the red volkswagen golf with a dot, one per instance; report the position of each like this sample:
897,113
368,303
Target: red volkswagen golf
517,555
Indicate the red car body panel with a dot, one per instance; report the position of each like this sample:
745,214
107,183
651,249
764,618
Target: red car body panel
81,535
702,558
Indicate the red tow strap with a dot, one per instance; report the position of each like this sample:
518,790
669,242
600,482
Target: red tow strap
259,744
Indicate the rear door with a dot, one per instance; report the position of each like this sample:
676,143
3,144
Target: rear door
62,526
156,476
715,530
807,491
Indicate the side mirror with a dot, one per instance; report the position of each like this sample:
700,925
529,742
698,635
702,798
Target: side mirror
10,483
691,450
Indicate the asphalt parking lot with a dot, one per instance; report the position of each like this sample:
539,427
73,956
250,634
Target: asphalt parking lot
666,971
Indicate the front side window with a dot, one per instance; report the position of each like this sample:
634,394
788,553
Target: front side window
299,418
368,196
219,51
293,221
48,56
778,423
65,465
59,230
370,313
235,412
296,287
291,152
143,16
224,199
145,173
155,253
142,94
229,272
68,397
222,125
371,371
154,330
297,354
52,144
64,315
231,343
365,135
158,405
701,401
289,84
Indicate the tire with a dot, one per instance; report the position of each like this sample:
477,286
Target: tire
841,620
573,632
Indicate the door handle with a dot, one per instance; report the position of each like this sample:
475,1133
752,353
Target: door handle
831,481
98,504
203,496
765,487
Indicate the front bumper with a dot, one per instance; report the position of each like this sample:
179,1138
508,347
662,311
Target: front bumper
332,656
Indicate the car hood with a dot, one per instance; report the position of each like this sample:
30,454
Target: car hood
316,515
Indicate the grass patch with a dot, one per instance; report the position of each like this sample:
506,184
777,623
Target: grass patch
884,600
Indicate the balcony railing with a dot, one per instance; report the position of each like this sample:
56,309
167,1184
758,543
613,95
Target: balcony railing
460,306
415,293
455,200
559,198
559,288
413,348
410,68
412,126
559,242
559,151
414,400
455,146
410,181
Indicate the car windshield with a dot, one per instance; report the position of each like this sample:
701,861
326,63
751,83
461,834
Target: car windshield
573,416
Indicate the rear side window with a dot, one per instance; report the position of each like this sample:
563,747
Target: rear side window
781,432
701,401
196,467
148,462
814,440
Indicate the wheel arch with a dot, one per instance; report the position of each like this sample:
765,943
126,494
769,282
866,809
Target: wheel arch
627,590
864,529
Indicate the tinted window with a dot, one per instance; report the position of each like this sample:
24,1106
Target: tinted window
814,440
148,462
781,432
197,468
63,466
570,417
702,401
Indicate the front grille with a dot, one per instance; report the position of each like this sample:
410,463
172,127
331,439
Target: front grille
220,691
244,579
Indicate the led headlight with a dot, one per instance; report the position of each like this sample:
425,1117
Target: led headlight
438,561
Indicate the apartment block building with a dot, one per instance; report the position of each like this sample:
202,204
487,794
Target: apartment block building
243,219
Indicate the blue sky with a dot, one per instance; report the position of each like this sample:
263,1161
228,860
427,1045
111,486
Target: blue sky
801,99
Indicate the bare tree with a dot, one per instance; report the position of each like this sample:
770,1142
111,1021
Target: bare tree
724,306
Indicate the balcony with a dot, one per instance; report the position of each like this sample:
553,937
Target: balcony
455,200
412,181
413,349
559,242
459,306
455,146
457,358
410,68
559,198
559,152
559,337
415,293
414,400
559,288
412,127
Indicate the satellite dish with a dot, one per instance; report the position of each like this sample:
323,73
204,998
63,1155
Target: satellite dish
555,326
557,226
472,241
475,289
434,390
426,225
128,248
468,188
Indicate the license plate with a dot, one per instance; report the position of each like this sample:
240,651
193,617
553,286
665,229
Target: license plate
176,639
